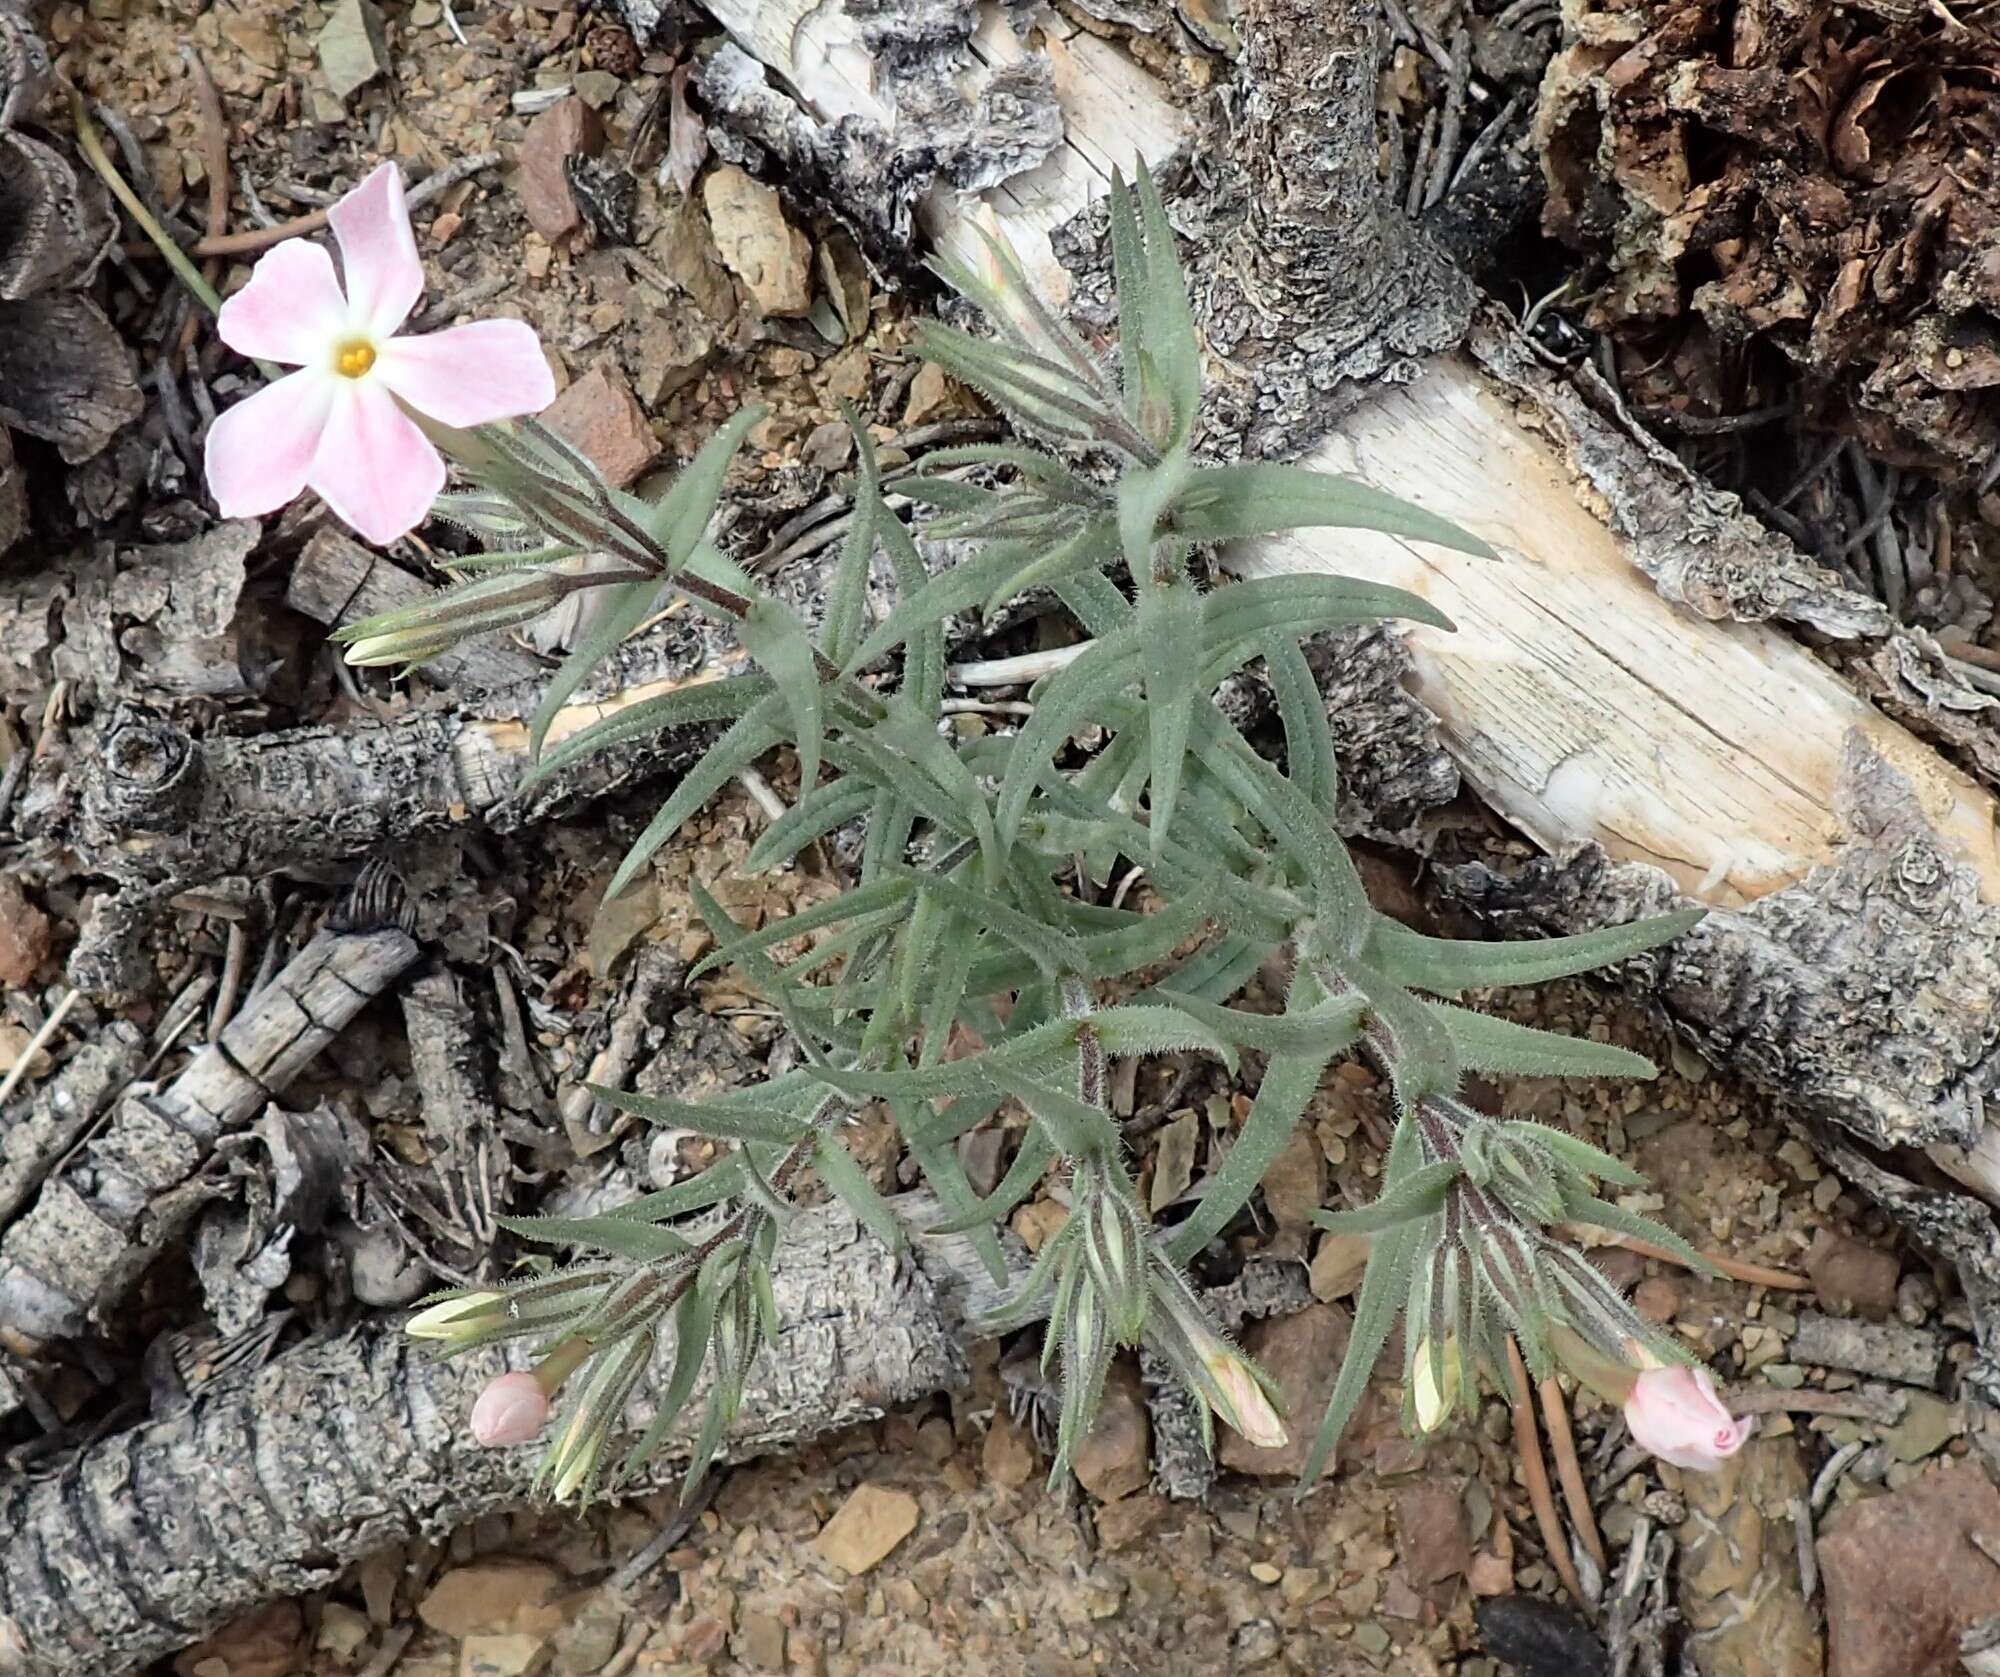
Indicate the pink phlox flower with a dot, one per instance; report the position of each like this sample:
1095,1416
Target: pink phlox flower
341,424
1675,1413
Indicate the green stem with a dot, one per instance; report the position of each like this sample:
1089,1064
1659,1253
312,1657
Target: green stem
92,145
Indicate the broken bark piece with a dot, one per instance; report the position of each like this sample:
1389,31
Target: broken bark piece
339,1448
946,106
65,374
1883,1350
1675,147
102,1218
336,581
13,495
32,1141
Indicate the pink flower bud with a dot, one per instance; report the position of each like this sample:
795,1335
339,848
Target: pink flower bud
1675,1413
511,1410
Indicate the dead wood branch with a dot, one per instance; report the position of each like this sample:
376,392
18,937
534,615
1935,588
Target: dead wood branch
275,1482
101,1219
1617,687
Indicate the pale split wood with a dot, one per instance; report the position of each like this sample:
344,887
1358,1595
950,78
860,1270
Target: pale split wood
1577,701
1117,113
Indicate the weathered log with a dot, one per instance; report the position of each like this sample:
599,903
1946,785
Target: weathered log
103,1217
275,1481
1619,686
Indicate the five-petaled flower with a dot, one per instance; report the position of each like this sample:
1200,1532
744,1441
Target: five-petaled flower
341,425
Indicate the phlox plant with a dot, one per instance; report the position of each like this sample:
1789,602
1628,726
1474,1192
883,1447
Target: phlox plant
978,909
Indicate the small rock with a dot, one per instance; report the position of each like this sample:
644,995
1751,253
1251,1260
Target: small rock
1490,1574
512,1655
1852,1277
342,1631
1295,1185
1114,1458
1927,1426
867,1528
1430,1528
567,129
1916,1298
930,394
265,1642
1886,1350
1036,1221
25,935
1338,1265
1739,1570
1302,1353
1173,1160
771,257
486,1596
596,88
600,415
1008,1457
760,1642
591,1638
1541,1638
674,345
1657,1299
1903,1578
352,51
1121,1524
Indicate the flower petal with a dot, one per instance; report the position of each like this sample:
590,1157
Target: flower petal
260,452
470,375
378,253
292,309
374,467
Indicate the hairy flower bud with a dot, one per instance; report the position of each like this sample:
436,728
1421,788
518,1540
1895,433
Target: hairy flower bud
457,1318
511,1410
1675,1413
1434,1403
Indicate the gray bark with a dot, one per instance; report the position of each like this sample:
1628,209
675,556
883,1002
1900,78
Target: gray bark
103,1217
275,1481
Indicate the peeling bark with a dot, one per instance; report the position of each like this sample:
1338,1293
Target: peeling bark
275,1481
111,1209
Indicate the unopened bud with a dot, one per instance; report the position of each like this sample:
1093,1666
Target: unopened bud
1434,1403
511,1410
457,1318
1236,1394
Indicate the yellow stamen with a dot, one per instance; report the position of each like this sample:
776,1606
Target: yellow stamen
354,359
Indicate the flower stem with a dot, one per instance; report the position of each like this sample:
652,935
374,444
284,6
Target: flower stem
91,143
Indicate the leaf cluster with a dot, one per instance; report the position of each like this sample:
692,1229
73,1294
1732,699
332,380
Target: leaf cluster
977,914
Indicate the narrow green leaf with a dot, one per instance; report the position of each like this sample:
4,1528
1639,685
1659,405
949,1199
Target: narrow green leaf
1508,1050
748,738
1023,1174
1170,640
1577,1153
738,1123
1417,1195
1329,1029
1308,741
848,597
863,899
1450,966
622,1237
772,634
700,701
1228,503
1060,708
629,606
821,811
845,1178
1304,604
